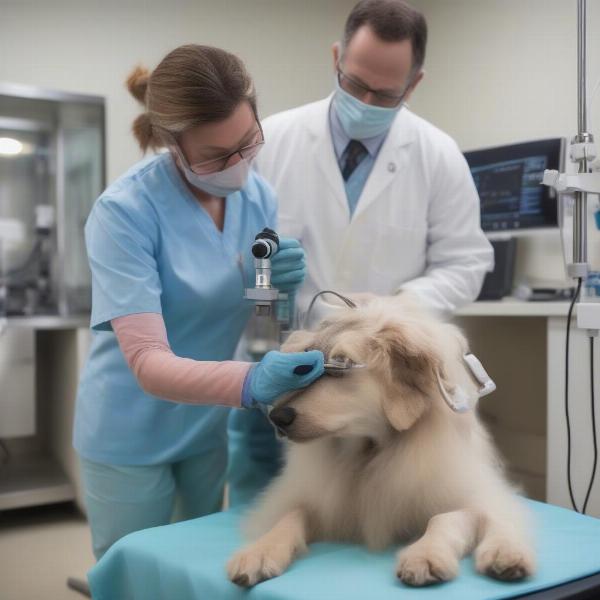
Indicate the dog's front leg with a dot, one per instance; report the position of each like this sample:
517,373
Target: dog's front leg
435,556
272,553
504,550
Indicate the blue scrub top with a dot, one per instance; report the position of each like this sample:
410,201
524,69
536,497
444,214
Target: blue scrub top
153,248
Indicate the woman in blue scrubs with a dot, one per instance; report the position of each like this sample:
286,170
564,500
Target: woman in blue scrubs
168,245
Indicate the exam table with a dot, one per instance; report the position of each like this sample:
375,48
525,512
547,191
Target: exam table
186,561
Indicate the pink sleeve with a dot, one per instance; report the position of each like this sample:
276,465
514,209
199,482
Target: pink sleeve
143,341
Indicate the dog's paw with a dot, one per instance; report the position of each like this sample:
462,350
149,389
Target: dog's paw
505,560
423,565
253,565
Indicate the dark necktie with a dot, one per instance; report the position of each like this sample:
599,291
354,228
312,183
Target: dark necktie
353,155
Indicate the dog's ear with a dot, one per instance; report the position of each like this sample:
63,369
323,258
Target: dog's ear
409,363
404,409
298,341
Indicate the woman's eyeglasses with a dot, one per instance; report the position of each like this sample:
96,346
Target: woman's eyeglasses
218,164
214,165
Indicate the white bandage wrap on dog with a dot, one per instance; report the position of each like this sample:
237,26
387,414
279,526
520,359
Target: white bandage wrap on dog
459,400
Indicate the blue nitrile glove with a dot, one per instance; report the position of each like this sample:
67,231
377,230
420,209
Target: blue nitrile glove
281,372
288,266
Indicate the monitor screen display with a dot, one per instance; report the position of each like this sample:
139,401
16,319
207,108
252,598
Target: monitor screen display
508,180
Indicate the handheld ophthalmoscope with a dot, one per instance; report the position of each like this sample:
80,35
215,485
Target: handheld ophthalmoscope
263,294
273,311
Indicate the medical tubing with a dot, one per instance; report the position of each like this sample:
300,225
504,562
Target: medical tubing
349,303
591,485
573,301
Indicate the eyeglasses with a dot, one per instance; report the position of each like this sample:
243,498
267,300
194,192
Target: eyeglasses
360,90
214,165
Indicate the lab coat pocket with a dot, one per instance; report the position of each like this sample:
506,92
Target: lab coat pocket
399,255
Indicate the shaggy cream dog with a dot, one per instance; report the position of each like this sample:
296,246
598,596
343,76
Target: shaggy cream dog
378,457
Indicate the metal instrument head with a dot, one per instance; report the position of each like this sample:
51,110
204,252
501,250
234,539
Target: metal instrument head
266,244
339,365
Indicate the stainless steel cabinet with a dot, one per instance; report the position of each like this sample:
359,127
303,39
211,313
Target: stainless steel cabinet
52,168
17,383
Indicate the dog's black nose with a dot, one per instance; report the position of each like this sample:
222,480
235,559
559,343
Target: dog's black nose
283,416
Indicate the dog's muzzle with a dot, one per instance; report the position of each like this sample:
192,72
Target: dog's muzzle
282,417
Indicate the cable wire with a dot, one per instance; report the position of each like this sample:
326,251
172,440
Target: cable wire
349,303
589,490
573,301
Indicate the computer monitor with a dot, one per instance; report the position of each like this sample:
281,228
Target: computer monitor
508,179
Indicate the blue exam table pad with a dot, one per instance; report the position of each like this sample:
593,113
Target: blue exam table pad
186,561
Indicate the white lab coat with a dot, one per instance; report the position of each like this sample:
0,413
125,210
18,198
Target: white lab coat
416,226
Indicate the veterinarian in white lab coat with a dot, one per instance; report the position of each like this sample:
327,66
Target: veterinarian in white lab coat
399,213
381,200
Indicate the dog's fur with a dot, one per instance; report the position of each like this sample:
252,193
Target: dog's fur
378,457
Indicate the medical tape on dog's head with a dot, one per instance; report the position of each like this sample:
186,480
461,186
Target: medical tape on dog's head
459,400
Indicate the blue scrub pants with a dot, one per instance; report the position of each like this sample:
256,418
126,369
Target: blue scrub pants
255,455
124,499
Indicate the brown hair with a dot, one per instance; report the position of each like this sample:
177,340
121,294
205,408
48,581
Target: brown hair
392,21
192,85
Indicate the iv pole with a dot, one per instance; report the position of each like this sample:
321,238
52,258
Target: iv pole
579,267
583,152
579,185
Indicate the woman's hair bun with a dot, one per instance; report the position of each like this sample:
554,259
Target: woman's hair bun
137,83
143,132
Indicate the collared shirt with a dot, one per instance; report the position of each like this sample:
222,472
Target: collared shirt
356,182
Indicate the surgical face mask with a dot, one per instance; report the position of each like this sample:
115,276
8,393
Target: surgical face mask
222,183
359,120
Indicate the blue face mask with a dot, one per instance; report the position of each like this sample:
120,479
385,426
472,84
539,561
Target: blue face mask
359,120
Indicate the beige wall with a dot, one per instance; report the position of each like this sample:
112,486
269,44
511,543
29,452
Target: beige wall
502,71
498,71
89,47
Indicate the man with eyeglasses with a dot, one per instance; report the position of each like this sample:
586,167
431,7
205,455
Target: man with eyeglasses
382,200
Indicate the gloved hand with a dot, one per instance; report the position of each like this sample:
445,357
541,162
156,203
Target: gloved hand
281,372
288,266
